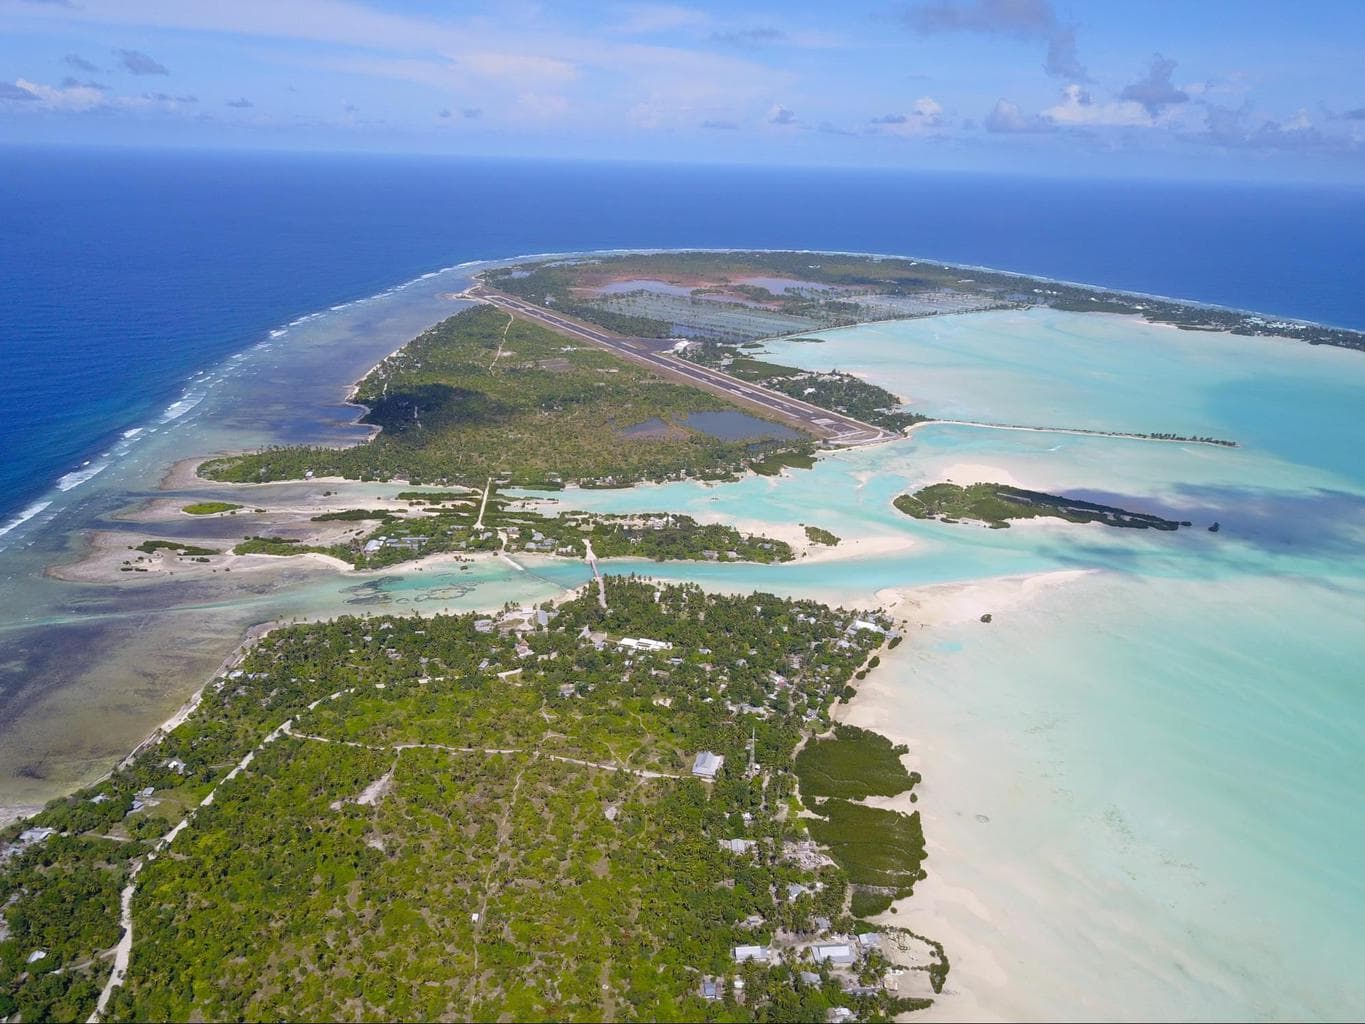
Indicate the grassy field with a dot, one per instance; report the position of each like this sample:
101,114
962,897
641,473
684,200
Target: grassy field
542,413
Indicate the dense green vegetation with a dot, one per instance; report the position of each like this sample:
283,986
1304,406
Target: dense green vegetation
446,524
877,848
881,850
210,508
818,536
841,392
853,764
433,837
356,515
550,412
151,547
996,504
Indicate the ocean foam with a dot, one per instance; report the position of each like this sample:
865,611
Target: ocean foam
79,476
177,409
24,516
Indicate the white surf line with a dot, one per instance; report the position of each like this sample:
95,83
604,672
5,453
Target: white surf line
124,950
1078,431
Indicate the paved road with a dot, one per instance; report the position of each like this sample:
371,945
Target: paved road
835,428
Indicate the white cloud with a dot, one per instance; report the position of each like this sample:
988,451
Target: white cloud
1007,119
71,97
516,66
924,115
646,19
1077,109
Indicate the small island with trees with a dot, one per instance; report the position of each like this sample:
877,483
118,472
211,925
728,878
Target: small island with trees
996,504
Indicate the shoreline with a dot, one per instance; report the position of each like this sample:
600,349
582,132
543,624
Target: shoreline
976,969
21,516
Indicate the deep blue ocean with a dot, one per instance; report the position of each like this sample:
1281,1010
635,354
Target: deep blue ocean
125,272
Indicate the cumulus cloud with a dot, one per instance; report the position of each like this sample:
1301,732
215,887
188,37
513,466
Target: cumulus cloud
781,115
1007,119
161,97
74,97
1245,128
241,104
720,126
1155,91
1017,19
18,92
75,60
750,37
1358,114
139,63
834,129
1077,109
924,114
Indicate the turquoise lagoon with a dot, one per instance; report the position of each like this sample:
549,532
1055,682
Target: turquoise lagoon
1142,784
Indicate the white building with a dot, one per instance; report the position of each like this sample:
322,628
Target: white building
707,764
644,644
833,953
745,953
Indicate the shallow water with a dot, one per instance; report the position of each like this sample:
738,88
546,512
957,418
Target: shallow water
1142,786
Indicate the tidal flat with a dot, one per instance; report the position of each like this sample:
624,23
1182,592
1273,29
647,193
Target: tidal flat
1138,775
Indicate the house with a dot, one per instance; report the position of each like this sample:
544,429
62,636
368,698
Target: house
738,845
483,626
176,765
707,764
712,989
566,689
809,978
869,940
743,954
863,624
372,547
644,644
839,1015
840,953
795,890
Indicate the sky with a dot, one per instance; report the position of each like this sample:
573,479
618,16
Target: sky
1211,89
